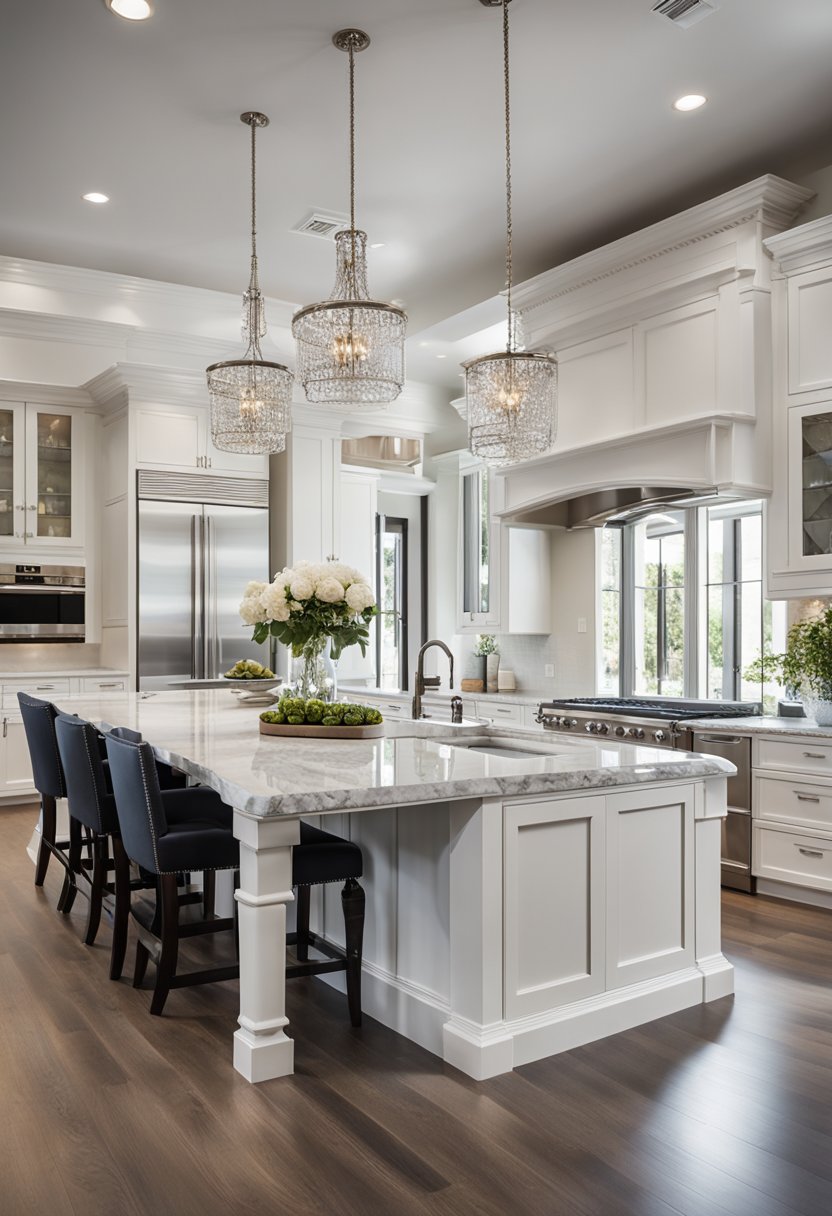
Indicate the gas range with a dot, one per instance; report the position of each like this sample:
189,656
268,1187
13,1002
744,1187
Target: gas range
656,721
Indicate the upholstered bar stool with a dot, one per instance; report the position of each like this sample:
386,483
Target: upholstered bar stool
39,724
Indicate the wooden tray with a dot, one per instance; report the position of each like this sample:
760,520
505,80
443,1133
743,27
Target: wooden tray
323,732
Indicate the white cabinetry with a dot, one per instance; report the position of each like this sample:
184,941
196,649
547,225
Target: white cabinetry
357,547
799,526
179,437
792,817
41,472
15,765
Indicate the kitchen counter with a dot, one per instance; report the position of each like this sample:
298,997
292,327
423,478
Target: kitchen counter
518,903
763,725
54,673
215,739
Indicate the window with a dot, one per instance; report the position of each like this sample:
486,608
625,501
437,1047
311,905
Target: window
391,634
476,582
684,591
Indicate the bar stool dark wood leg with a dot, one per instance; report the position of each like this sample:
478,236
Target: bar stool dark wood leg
48,831
98,883
140,968
121,915
67,896
302,942
209,886
352,901
166,965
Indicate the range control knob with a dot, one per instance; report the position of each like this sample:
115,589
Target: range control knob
564,723
637,732
621,732
591,728
602,728
571,721
660,736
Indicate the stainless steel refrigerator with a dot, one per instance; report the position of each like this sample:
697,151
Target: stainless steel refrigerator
195,558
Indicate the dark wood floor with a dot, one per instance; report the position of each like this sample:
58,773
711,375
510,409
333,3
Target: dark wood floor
105,1110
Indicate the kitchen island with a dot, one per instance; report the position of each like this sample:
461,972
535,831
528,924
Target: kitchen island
524,896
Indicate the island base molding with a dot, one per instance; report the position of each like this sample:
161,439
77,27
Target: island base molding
797,895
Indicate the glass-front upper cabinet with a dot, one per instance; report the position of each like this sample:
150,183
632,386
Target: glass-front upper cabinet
480,551
38,477
810,486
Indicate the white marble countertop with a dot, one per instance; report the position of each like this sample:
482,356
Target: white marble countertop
55,673
522,696
211,736
762,726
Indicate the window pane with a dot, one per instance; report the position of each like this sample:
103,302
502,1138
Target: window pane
609,679
716,642
751,541
646,616
475,540
751,636
659,567
672,683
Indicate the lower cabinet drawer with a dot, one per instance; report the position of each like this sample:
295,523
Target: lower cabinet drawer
500,713
48,689
804,755
794,857
102,684
805,804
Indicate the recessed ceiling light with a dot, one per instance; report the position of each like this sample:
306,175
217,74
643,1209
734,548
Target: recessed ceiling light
131,10
441,356
378,245
691,101
95,197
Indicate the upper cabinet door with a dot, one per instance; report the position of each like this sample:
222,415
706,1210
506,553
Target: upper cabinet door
53,455
810,487
237,463
170,439
12,473
479,548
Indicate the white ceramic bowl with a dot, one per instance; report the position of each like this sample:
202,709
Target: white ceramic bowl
262,685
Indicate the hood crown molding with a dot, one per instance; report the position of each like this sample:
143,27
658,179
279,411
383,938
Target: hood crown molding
769,200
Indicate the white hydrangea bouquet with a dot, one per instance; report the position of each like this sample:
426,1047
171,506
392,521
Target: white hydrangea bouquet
307,606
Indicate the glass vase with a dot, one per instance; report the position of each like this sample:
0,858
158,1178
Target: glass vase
314,672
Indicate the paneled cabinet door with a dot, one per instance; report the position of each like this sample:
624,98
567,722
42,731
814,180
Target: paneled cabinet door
12,472
810,486
54,451
553,903
15,766
172,439
650,860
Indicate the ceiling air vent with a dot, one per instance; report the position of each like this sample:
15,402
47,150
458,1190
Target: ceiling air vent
684,12
319,223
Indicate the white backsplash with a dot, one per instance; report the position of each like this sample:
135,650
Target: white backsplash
49,656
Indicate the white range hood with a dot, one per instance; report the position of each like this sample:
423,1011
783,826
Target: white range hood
664,345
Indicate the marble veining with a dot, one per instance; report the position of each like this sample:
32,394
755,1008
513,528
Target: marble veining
211,736
763,726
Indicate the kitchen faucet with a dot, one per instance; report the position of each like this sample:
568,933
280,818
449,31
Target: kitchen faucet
424,682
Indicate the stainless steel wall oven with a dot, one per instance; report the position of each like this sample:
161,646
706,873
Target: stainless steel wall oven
42,603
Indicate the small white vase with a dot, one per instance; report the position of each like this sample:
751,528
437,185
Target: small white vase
492,668
821,711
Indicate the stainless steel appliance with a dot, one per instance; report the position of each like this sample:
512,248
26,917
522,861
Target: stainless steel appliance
661,722
42,603
201,540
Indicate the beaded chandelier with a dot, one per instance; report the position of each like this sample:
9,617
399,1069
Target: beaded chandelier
251,398
511,395
350,348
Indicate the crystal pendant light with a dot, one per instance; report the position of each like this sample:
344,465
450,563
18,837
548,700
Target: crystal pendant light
350,348
251,398
511,395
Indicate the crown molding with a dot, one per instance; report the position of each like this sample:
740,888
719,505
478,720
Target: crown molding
769,200
803,246
44,394
130,290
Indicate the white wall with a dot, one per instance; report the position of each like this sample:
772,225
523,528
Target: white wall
573,601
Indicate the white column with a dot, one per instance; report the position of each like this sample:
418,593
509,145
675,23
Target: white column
262,1049
717,972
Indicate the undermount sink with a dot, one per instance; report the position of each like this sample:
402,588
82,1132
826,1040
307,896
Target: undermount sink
507,747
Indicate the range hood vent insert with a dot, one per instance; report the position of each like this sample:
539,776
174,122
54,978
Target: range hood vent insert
611,507
382,452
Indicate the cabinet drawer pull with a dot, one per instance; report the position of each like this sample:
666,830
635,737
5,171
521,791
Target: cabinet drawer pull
396,708
809,852
502,711
815,755
732,739
5,727
45,687
806,797
115,684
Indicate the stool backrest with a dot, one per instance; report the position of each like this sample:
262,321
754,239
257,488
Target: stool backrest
141,813
90,800
39,724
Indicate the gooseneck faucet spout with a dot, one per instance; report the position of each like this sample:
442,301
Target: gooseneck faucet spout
424,682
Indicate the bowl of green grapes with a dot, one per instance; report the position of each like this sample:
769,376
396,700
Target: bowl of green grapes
251,675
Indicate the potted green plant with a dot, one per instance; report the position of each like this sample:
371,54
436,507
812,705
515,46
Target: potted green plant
485,646
806,666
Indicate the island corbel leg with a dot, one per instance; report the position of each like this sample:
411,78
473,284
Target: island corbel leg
262,1049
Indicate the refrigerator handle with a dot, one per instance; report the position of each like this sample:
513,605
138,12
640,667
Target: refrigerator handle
212,625
197,600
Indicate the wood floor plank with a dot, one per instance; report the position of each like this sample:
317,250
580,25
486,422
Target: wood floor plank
720,1110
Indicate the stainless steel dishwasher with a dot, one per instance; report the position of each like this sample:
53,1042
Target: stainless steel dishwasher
736,828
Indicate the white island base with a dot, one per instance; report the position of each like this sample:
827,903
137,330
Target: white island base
501,931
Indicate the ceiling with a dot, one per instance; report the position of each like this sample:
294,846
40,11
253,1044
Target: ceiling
148,113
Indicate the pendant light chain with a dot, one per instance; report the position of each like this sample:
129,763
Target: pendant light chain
254,281
352,159
507,81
